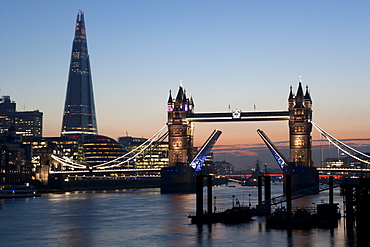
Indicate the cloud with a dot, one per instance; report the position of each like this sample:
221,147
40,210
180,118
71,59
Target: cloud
244,152
246,149
238,149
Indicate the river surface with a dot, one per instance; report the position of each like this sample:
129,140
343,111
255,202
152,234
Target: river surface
144,217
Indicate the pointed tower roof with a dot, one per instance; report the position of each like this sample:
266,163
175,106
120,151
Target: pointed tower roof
307,96
180,94
291,96
300,90
184,99
191,101
170,97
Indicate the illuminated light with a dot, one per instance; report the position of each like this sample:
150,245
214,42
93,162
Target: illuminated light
326,176
274,175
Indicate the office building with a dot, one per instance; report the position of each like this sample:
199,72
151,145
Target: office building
79,111
26,123
156,156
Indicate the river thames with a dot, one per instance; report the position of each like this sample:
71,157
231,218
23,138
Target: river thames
144,217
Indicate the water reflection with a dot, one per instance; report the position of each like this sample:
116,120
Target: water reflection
144,217
204,233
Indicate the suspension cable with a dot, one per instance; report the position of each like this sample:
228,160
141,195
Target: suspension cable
151,139
63,161
73,164
131,158
330,138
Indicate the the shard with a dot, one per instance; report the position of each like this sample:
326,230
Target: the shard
79,111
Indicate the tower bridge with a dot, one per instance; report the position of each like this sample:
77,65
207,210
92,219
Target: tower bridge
180,135
79,120
182,116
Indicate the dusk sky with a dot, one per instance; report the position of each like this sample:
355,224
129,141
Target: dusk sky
237,53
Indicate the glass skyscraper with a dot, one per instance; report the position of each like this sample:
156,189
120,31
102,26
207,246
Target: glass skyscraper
79,111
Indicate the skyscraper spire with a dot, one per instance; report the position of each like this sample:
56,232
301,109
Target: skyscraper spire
79,111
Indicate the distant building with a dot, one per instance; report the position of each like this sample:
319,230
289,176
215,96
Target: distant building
79,142
15,159
79,110
90,150
98,149
7,111
346,162
29,123
131,142
333,163
156,156
79,119
223,167
26,123
353,163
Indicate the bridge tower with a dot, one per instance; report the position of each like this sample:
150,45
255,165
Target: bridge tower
180,130
301,167
300,127
179,176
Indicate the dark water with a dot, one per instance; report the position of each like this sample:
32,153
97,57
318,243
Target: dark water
144,217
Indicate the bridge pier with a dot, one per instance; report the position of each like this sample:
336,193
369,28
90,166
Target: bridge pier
264,208
177,179
302,177
357,203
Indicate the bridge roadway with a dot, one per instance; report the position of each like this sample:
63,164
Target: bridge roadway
338,169
238,116
159,169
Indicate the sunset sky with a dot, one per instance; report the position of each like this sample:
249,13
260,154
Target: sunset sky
237,53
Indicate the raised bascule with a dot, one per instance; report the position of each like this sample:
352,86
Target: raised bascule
179,176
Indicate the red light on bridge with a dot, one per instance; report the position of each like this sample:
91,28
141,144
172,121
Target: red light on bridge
326,176
275,175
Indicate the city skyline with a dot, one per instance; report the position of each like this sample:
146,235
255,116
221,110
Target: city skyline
241,56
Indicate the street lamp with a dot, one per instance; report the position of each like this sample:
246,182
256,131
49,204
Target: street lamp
265,168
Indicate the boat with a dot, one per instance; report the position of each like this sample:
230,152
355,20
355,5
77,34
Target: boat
236,214
327,215
301,218
15,191
253,179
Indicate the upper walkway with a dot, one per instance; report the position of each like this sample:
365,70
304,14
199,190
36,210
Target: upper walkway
238,116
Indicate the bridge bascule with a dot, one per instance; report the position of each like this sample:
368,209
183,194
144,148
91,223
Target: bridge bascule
180,136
